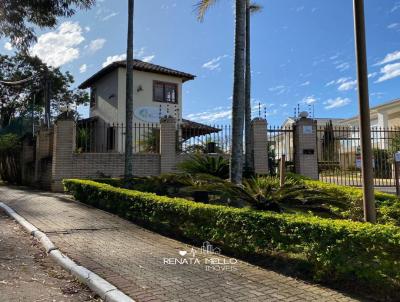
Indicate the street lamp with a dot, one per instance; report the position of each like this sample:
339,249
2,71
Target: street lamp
365,124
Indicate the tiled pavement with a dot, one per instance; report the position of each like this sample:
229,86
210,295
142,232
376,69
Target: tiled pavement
142,263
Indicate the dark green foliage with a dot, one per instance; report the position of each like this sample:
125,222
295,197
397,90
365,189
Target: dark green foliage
382,163
10,150
19,18
267,194
388,205
18,100
328,143
336,250
204,164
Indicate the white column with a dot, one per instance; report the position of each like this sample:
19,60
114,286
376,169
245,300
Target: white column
383,124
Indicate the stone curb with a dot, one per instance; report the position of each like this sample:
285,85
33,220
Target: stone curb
107,291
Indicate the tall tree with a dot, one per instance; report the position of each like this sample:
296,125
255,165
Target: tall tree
129,93
17,100
250,9
238,97
19,17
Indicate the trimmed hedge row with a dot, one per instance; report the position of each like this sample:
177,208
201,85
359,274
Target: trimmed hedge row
388,205
336,250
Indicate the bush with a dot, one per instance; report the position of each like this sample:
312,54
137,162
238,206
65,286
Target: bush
10,152
336,250
205,164
387,205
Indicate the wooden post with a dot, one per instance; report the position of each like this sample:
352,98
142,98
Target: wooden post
282,170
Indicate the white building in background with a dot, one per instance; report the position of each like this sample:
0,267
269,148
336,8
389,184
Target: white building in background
382,116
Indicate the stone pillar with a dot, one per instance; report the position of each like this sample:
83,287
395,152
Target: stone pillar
168,144
64,145
259,140
305,146
42,150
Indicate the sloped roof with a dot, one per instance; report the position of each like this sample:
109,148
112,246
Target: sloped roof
137,65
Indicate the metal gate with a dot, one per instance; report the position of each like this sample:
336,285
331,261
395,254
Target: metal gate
280,142
339,155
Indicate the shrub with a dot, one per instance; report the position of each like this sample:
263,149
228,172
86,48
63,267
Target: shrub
336,250
388,205
10,152
205,164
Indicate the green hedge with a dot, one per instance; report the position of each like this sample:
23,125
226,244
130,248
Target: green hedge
388,205
336,250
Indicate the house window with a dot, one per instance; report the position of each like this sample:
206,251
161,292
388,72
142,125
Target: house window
165,92
93,97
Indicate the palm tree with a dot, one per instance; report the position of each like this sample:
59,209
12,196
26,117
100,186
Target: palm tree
250,8
238,102
129,93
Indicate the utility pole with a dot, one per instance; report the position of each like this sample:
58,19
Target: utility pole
365,123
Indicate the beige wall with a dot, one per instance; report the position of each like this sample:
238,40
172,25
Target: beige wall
107,98
144,98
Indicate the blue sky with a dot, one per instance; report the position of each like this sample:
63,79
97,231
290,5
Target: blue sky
302,52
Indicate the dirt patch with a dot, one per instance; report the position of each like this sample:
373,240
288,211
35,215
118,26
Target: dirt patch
28,274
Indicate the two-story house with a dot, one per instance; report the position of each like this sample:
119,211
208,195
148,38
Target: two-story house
157,92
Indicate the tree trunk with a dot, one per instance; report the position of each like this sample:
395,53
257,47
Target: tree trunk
129,94
248,156
236,167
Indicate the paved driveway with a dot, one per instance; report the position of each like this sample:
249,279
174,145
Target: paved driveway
151,267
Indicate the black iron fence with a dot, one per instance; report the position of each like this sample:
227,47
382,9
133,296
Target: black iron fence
280,142
94,136
339,155
204,139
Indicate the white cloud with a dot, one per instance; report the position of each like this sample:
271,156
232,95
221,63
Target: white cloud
388,72
336,103
213,115
345,86
343,66
395,7
344,83
393,25
8,46
309,100
111,59
59,47
87,28
278,89
139,54
394,56
305,83
148,58
83,68
96,45
214,63
109,16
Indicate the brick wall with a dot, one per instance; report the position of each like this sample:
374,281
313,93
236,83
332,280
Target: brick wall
168,145
65,162
92,165
305,142
259,141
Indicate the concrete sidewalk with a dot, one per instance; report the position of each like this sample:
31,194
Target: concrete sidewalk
150,267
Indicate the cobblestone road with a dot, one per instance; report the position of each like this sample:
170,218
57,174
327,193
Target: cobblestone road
146,265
